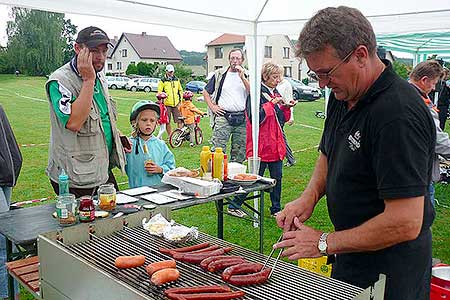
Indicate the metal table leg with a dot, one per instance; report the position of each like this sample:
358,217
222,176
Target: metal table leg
10,278
219,206
261,222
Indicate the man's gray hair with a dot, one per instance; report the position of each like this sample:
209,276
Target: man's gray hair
430,68
343,28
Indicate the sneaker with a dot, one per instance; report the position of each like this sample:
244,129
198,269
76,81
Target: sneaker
191,144
236,212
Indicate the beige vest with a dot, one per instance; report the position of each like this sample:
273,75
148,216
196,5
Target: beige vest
83,154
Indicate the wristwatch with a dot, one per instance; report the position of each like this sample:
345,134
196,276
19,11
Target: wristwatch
323,243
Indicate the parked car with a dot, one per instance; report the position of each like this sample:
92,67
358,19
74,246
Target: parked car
117,82
195,86
303,92
146,84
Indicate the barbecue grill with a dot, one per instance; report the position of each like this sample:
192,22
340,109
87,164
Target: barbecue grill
78,263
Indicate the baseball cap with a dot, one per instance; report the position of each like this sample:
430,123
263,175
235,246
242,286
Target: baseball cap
170,68
92,36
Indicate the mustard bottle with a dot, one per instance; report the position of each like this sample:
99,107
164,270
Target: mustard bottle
217,171
205,162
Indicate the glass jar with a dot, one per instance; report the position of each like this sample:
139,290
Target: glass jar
107,197
66,209
87,209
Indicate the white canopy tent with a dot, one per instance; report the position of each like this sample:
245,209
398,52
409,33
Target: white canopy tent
256,19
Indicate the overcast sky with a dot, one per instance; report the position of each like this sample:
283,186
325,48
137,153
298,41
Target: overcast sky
182,39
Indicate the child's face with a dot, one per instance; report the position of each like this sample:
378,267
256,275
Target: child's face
147,121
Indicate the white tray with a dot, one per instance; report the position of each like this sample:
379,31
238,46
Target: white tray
158,198
139,191
176,194
123,199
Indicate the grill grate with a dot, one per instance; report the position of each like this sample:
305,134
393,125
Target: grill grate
287,282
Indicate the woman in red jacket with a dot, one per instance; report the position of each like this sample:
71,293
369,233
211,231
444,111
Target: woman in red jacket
273,113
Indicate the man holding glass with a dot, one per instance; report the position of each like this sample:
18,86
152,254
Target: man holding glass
374,166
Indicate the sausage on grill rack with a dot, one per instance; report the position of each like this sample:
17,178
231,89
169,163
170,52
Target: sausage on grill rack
165,275
184,249
252,278
125,262
196,258
199,289
244,268
207,296
204,263
220,264
156,266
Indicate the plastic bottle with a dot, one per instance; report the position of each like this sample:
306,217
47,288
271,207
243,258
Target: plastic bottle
225,167
217,171
205,161
146,155
63,183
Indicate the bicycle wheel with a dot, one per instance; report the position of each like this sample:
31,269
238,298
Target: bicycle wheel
176,138
198,135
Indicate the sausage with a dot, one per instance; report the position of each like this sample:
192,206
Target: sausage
199,289
156,266
204,263
252,278
221,264
125,262
243,268
196,258
207,296
207,249
184,249
165,275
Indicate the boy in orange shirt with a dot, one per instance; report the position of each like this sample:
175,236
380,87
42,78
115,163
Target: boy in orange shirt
189,111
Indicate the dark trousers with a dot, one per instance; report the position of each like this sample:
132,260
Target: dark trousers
78,192
276,172
443,110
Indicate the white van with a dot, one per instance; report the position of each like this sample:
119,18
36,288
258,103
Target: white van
117,82
146,84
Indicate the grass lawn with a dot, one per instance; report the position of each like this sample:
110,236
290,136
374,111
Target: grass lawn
25,103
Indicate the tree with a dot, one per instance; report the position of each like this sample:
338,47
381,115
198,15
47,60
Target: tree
68,34
131,69
401,69
37,40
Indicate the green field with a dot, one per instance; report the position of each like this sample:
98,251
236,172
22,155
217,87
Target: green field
25,103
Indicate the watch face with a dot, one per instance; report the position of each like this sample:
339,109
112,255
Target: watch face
322,246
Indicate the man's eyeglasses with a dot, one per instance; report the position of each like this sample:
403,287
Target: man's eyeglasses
327,76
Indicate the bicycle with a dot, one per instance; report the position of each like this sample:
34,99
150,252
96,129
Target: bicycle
179,135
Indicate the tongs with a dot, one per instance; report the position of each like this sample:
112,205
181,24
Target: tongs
270,256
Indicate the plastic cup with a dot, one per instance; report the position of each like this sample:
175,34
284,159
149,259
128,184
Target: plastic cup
253,165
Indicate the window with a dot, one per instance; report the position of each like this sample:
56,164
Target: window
268,52
109,67
124,52
286,52
288,71
217,67
218,52
119,65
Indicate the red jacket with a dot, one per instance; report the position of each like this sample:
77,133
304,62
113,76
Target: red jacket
271,145
163,117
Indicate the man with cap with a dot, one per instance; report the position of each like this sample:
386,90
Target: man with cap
84,139
171,85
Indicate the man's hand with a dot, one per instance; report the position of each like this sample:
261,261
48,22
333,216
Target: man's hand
301,242
241,70
277,100
84,64
153,168
217,110
290,122
300,208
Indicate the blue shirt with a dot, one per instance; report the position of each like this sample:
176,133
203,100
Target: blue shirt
158,152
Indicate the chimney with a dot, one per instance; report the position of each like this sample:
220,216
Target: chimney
144,33
116,38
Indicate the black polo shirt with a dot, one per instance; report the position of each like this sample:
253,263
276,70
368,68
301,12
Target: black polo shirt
382,148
